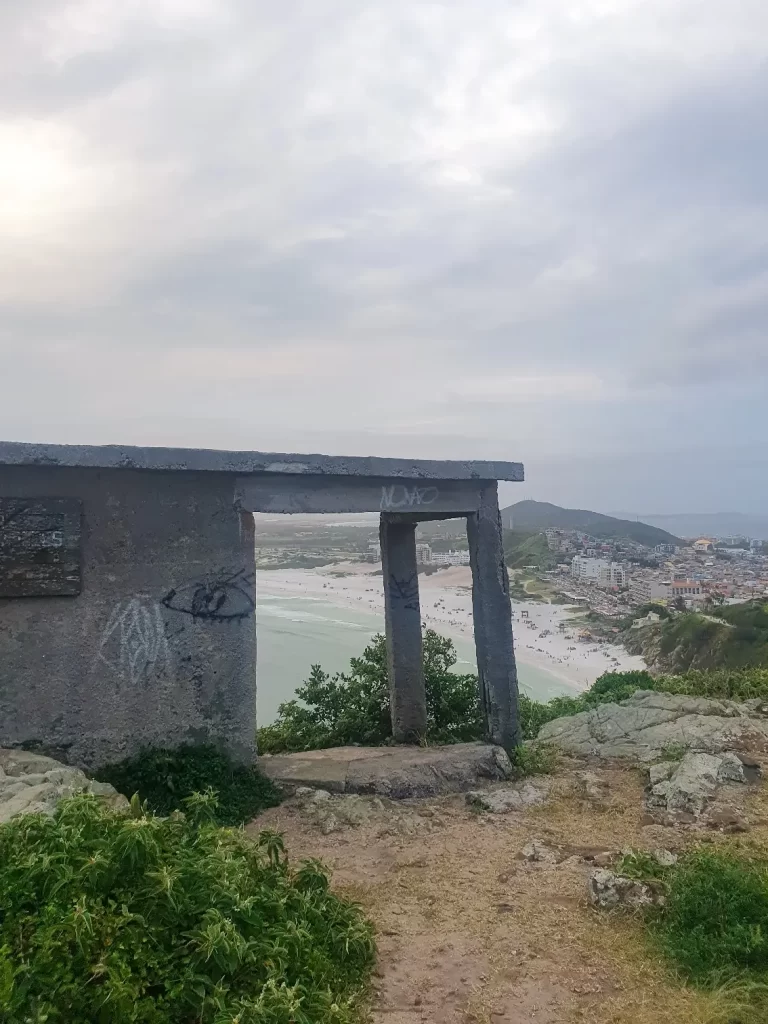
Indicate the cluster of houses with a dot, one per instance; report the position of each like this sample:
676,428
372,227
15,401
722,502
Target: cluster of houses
425,555
699,572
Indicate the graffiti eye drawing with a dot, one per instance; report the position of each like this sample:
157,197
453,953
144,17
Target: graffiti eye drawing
220,598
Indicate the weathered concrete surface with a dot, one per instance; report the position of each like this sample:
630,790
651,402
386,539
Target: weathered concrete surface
648,723
307,494
159,648
396,772
213,461
405,662
33,784
492,612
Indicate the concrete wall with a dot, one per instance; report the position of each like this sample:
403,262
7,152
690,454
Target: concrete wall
160,646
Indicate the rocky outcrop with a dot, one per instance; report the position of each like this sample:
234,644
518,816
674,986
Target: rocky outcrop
517,797
396,772
34,784
607,891
649,724
699,787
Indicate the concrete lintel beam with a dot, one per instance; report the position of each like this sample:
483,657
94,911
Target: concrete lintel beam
293,494
211,460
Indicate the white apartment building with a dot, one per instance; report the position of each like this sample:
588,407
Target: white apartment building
423,554
598,571
450,558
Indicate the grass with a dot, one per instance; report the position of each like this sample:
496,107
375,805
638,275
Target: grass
712,929
165,778
715,923
110,918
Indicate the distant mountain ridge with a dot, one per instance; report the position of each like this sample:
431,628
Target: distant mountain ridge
532,516
714,524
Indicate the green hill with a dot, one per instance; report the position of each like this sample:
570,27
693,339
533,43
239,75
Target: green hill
521,549
733,637
535,516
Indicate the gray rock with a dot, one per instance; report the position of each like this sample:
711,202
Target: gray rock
647,723
731,769
662,771
666,858
537,851
395,772
684,790
517,797
608,890
34,784
690,787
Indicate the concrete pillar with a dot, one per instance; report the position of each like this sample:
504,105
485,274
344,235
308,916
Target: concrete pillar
492,611
405,664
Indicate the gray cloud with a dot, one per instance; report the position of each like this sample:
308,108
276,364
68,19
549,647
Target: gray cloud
531,231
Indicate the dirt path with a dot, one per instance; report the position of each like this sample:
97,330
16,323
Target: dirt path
470,932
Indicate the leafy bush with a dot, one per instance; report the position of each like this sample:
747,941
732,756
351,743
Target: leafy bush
716,918
353,707
165,778
109,919
533,759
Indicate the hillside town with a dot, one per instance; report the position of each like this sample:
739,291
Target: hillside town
613,574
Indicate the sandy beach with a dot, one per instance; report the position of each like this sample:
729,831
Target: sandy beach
446,606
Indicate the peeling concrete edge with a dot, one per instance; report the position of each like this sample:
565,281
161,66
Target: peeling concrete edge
16,453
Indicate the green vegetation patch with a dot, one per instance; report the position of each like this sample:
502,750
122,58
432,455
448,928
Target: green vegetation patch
114,919
715,921
353,707
712,924
729,636
165,778
522,549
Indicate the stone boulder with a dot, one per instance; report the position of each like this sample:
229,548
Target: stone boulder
395,772
517,797
34,784
682,791
607,891
647,724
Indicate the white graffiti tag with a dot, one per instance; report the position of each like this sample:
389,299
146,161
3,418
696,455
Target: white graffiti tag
399,496
134,645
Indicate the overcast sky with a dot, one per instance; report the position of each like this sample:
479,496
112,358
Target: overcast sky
533,230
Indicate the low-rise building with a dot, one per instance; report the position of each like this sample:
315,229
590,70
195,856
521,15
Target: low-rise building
644,590
598,571
450,558
689,590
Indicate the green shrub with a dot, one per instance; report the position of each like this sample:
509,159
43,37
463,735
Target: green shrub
715,922
353,707
111,919
533,759
165,778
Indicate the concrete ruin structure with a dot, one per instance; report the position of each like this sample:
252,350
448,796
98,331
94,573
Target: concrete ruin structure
127,589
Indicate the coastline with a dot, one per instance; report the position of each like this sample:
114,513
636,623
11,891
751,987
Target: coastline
446,606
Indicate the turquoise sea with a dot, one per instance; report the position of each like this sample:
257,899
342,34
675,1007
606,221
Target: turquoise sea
293,633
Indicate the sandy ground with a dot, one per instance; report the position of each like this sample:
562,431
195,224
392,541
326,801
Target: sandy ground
470,933
446,605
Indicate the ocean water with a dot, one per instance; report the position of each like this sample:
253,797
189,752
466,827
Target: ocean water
293,633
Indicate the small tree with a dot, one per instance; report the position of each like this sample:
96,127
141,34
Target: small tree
353,707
